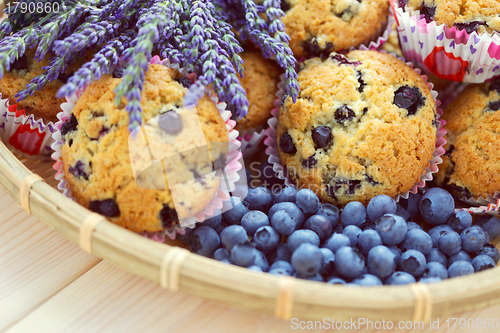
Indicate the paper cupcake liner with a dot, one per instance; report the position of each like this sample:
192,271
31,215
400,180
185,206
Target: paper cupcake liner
23,134
251,142
230,171
490,208
448,53
275,160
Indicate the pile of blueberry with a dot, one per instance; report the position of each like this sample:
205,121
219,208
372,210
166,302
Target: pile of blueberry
292,233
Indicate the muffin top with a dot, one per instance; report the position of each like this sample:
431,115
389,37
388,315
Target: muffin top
112,173
364,124
43,103
471,165
260,81
318,27
471,15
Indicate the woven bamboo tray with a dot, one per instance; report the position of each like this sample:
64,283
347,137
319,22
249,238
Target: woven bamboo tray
177,269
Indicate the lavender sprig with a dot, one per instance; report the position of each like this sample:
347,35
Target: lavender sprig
13,47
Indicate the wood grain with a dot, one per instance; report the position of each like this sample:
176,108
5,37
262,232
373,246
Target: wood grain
35,262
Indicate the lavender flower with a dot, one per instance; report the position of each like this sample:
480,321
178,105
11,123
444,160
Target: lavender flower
196,34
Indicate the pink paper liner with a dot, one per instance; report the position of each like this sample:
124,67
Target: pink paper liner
275,160
491,208
250,142
448,53
23,134
222,194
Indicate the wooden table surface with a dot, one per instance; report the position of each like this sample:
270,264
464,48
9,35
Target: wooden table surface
47,284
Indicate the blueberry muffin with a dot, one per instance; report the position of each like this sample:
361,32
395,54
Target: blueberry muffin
43,103
471,165
260,81
318,27
101,162
471,15
364,124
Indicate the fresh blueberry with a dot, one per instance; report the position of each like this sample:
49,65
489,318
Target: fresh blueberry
412,225
380,205
344,114
322,136
186,237
368,239
283,223
244,255
392,229
460,220
352,232
397,254
413,262
330,212
259,198
320,225
490,250
278,271
381,261
215,220
307,260
367,280
473,239
328,262
450,243
300,237
369,225
409,98
491,224
170,122
220,227
204,241
308,201
232,235
437,256
335,280
237,209
285,194
289,218
336,242
266,238
412,205
222,254
107,207
460,268
261,261
437,232
255,268
253,220
429,279
283,265
316,277
419,240
437,206
338,229
70,125
226,261
398,278
400,211
286,144
460,256
435,269
482,262
354,213
349,262
281,252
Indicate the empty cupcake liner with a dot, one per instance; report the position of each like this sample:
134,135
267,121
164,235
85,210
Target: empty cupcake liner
275,160
448,53
23,134
231,172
